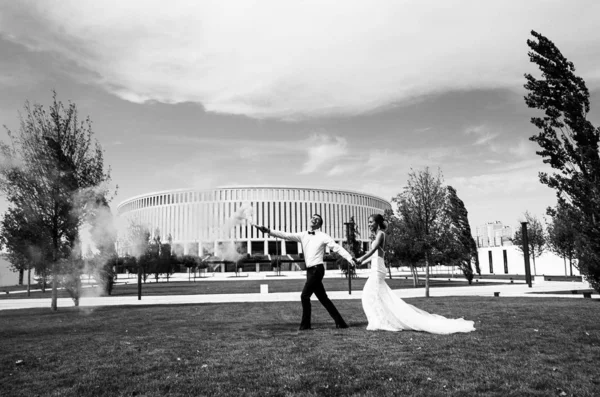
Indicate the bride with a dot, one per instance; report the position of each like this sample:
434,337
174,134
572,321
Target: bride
385,310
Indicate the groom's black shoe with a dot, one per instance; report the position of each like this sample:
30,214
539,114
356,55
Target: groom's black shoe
302,328
342,325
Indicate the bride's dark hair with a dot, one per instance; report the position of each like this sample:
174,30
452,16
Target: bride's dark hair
381,223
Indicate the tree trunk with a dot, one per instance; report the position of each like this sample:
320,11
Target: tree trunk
427,275
139,282
390,271
565,261
21,273
570,265
54,304
29,280
415,275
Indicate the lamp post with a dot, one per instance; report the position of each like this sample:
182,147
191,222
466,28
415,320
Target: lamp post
349,230
526,253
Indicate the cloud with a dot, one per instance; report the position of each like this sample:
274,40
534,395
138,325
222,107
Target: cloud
482,133
300,58
490,183
245,149
378,159
524,148
344,169
323,150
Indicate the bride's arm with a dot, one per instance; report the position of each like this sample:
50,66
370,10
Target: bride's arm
374,248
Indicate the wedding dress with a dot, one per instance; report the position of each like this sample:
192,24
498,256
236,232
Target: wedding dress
386,311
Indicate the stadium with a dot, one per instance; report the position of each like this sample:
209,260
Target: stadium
218,221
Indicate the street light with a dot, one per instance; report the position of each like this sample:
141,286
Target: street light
526,253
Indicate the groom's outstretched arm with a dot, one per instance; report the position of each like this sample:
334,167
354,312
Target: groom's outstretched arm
279,234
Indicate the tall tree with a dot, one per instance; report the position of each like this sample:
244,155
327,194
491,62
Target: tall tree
535,236
459,248
569,144
421,205
51,159
562,234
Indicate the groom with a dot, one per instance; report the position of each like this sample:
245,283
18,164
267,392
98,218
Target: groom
313,245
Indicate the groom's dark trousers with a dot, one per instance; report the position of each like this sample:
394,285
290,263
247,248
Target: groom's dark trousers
314,285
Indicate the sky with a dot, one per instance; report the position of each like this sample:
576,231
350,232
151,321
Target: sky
200,94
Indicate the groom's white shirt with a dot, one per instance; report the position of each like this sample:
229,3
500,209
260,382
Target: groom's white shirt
313,245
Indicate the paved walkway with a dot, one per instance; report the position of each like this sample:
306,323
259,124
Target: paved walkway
539,289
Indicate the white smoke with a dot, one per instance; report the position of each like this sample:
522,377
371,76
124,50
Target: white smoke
87,244
230,251
242,217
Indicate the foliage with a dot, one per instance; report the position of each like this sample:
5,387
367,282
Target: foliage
156,257
69,274
457,244
536,238
431,226
21,238
421,207
51,168
569,144
400,246
562,233
189,261
98,249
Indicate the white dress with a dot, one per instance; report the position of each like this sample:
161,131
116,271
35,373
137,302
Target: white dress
386,311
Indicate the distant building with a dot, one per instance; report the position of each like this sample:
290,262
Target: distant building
194,219
493,234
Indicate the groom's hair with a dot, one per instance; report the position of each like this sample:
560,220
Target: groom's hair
321,218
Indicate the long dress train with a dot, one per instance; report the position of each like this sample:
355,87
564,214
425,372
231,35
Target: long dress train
386,311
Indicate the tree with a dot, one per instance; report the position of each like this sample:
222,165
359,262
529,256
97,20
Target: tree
569,144
400,246
167,260
562,234
421,206
191,262
98,238
20,236
137,239
458,246
535,236
51,160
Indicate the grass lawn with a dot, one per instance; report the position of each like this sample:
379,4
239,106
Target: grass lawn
522,347
238,286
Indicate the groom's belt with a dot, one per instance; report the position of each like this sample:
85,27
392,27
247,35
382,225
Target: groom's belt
318,264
